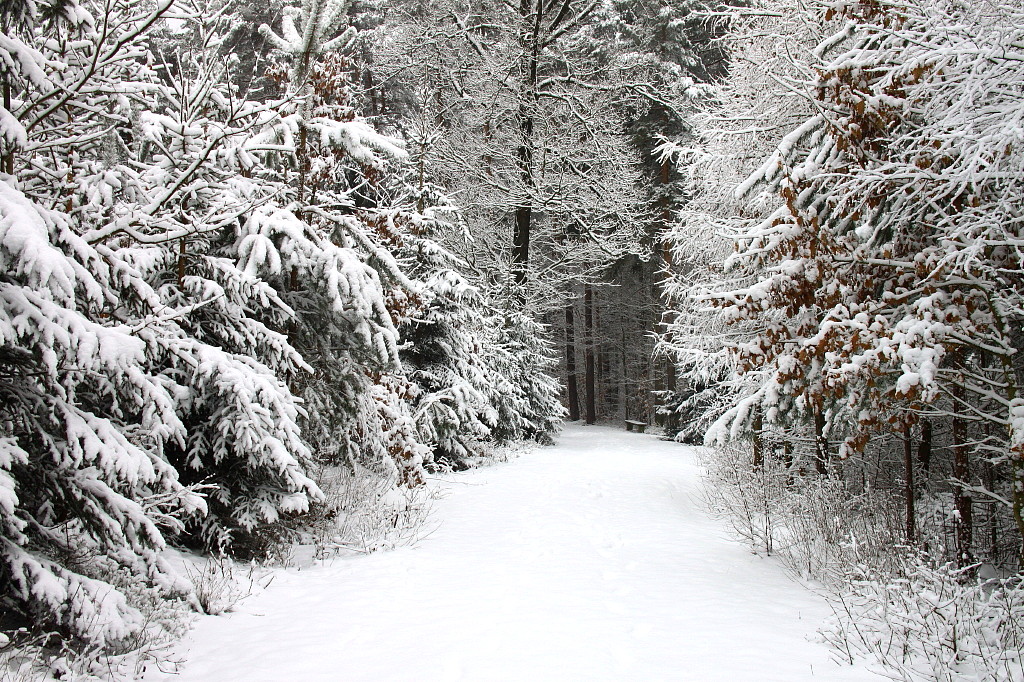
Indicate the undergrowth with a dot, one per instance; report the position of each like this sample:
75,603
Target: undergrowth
902,606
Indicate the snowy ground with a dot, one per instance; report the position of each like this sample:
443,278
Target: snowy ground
591,560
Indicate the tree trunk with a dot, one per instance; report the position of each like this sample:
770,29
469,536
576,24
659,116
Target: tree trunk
8,158
302,152
572,390
623,380
993,519
1017,481
182,256
924,448
908,486
521,247
964,509
787,460
603,374
524,150
588,355
820,443
757,426
604,370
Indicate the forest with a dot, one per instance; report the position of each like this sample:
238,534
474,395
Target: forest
267,268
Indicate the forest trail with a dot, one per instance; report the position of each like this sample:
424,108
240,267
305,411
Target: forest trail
590,560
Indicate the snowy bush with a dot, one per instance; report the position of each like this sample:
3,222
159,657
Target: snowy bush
932,623
34,654
219,584
829,528
366,512
745,496
817,526
917,617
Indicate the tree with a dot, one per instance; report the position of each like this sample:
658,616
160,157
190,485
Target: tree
881,260
83,412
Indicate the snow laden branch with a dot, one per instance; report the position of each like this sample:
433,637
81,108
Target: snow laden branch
876,259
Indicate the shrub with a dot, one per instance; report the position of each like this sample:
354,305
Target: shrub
932,622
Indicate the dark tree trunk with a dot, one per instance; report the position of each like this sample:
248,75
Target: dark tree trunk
993,518
521,246
964,508
820,443
908,483
588,355
8,158
924,448
604,371
302,152
182,258
572,390
371,88
623,381
787,460
758,426
524,150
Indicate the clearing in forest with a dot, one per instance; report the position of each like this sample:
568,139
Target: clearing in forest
590,560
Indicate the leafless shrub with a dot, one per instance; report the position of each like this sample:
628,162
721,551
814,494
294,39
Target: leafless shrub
366,512
902,606
219,583
932,623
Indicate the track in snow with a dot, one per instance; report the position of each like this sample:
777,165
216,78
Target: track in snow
590,560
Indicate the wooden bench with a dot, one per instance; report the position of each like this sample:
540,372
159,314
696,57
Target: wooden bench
633,424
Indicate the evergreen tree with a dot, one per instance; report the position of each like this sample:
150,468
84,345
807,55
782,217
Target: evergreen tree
84,413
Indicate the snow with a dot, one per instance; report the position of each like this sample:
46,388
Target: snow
590,560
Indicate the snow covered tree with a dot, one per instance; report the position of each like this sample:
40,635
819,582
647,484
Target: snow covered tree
539,163
340,209
881,279
84,491
525,394
737,121
140,354
170,191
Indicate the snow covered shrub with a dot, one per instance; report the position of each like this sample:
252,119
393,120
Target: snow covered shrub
34,658
30,654
828,527
333,250
818,526
918,618
365,512
426,350
218,584
930,622
746,496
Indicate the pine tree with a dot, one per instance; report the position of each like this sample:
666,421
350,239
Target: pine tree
346,176
83,414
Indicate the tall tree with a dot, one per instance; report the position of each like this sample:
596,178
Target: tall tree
880,255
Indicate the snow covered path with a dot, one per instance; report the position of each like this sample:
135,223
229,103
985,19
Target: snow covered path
591,560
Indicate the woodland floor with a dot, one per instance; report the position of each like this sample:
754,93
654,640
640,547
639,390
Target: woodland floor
590,560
